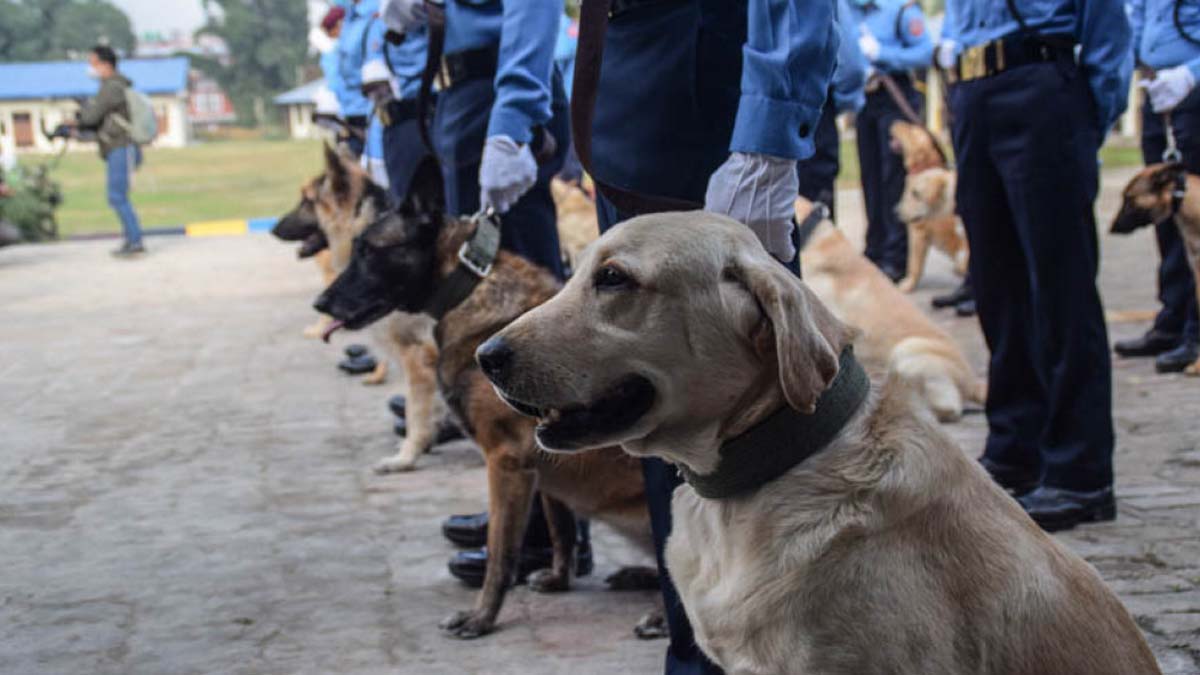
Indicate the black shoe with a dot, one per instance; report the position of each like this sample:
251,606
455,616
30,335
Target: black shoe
398,405
356,350
446,431
1056,509
128,250
468,531
954,297
1015,480
892,272
470,566
358,365
1153,343
965,308
1178,359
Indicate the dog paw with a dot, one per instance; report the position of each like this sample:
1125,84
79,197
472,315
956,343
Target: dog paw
467,625
907,285
546,581
374,380
394,465
633,579
1193,370
651,627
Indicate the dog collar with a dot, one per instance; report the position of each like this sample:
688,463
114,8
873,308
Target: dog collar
804,231
784,439
475,258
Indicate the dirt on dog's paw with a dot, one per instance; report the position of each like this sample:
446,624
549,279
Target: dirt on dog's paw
394,465
467,625
633,579
546,581
653,626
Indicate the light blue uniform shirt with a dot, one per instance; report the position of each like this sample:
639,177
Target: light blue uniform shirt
350,51
787,64
851,74
525,32
1099,26
899,26
333,76
1156,40
564,51
405,60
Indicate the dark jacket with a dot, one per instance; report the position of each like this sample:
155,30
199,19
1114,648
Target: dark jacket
100,114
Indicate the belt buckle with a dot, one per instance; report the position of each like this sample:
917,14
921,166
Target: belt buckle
973,63
444,76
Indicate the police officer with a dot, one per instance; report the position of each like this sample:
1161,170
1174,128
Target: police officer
700,103
1029,118
818,174
1166,41
356,108
893,38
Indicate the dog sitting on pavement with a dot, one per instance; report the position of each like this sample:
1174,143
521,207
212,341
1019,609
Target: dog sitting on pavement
827,526
927,206
895,334
408,261
335,207
1162,192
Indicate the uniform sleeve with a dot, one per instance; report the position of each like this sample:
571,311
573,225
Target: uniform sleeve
912,47
107,99
1137,22
850,76
949,28
1106,42
333,76
528,33
787,64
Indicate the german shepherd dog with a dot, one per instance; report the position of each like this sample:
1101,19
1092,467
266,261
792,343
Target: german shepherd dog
1153,197
300,224
334,208
399,263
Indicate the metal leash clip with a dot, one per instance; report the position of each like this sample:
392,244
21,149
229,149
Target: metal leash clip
1171,155
479,252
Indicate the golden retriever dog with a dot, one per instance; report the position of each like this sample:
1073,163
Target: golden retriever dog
345,202
1162,192
403,262
895,333
577,222
828,527
927,206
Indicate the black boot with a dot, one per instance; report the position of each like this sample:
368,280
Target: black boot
955,297
1014,479
1153,343
1057,509
1178,359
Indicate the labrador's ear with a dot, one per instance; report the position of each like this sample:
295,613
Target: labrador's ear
809,339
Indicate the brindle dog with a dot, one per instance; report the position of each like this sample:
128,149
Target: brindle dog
1159,193
399,263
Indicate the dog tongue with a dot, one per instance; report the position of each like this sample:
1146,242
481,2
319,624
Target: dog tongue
331,329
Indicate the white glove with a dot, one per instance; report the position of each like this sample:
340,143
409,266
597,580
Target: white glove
760,191
402,15
506,172
869,45
945,54
1169,87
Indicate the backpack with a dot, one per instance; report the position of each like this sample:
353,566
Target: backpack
142,125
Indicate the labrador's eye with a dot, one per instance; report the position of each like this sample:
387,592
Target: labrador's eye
611,278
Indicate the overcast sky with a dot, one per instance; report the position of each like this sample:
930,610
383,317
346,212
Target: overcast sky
163,15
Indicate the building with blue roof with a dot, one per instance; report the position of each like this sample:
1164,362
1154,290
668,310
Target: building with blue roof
47,93
298,106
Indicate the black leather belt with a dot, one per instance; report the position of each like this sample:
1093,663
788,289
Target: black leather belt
998,56
357,121
401,111
619,7
467,65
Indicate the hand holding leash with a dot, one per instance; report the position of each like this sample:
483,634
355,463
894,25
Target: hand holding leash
1169,88
506,172
869,44
760,191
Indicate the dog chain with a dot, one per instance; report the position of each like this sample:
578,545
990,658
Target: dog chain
1171,155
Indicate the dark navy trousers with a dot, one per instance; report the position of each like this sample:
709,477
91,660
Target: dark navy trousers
883,174
1027,180
530,228
818,174
404,154
1176,284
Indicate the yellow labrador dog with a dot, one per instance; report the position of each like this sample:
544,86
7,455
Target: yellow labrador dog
895,333
827,527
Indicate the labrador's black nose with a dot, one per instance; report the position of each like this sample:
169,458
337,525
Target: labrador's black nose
495,358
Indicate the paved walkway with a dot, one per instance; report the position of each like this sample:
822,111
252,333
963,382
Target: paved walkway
185,484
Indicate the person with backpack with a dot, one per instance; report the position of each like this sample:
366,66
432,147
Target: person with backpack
121,119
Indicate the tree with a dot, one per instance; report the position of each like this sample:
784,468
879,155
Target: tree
39,30
268,47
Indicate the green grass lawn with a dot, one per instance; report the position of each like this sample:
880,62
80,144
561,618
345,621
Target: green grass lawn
255,178
235,179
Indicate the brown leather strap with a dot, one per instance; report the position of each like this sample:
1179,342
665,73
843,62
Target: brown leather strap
593,24
906,109
436,18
